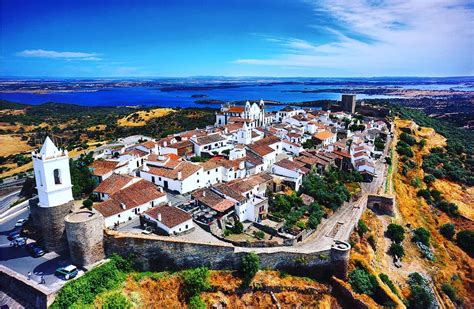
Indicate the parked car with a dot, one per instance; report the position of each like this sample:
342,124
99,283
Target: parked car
67,272
13,235
19,242
34,250
20,222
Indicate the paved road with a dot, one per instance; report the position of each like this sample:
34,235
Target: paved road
19,260
8,200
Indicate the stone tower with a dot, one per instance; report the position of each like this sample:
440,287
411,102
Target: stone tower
85,237
54,202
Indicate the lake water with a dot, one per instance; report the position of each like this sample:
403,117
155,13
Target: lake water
183,98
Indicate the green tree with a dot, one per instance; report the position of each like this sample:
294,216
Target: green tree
362,228
396,232
195,281
362,281
465,240
422,235
249,268
116,301
396,249
450,291
87,204
238,227
196,302
447,230
429,179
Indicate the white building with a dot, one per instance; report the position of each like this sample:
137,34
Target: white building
171,220
130,202
53,179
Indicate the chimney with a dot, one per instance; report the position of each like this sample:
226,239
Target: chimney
204,193
123,206
165,143
169,203
161,158
179,175
160,189
158,216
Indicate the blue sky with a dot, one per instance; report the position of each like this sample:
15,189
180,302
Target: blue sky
236,38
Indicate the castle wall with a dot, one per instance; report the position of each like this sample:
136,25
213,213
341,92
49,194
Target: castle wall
85,236
381,204
50,223
157,254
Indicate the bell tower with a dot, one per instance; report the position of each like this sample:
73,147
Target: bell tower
53,179
55,200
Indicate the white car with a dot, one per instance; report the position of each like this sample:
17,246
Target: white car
147,231
20,222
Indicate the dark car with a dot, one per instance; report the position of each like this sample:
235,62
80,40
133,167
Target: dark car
34,250
13,235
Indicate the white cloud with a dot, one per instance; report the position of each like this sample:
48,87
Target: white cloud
393,37
41,53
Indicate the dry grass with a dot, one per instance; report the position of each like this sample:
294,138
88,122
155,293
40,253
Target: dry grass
12,144
99,127
462,197
143,117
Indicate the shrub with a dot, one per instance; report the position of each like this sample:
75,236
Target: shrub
362,228
408,138
420,292
426,194
372,243
429,179
196,302
450,209
249,268
385,279
238,227
87,204
422,235
116,301
447,230
259,234
465,240
362,282
396,249
195,281
450,291
396,232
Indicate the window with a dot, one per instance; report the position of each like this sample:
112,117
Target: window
57,176
186,226
198,181
153,179
208,172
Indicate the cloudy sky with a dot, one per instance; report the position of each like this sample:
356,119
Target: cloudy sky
237,38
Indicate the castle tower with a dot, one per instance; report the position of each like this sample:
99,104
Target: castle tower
53,182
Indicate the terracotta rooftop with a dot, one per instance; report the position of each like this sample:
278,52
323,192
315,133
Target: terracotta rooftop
212,200
139,193
102,167
114,183
236,109
290,165
323,135
261,150
228,191
186,168
149,144
209,139
170,216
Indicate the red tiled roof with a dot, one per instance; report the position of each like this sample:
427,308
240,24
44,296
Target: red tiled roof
212,200
236,109
113,184
102,167
139,193
261,150
290,165
186,168
170,216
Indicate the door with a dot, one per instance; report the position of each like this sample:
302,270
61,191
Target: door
165,184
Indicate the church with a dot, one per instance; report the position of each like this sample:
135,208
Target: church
251,113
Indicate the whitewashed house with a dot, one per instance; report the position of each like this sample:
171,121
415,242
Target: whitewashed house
171,220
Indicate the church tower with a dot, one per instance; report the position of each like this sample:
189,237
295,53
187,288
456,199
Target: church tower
53,179
244,135
55,200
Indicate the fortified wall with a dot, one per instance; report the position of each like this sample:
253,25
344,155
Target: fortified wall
158,254
381,204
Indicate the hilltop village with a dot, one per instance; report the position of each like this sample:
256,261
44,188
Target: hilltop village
289,186
224,174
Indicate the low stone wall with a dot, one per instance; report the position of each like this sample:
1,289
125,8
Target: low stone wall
157,253
23,291
345,295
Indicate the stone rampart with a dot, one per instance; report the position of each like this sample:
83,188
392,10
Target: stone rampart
381,204
157,253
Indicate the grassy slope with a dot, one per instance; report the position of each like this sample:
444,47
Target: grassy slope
413,210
